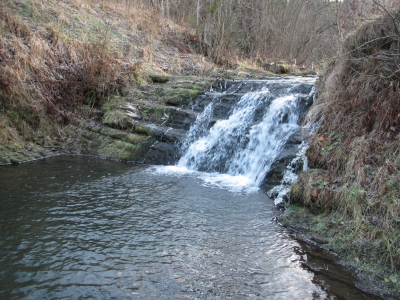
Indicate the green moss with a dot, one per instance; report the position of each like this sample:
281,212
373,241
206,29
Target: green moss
16,147
140,129
177,97
18,152
119,150
155,113
118,119
108,143
213,8
176,91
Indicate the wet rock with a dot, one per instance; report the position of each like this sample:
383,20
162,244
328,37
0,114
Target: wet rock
303,88
154,130
182,119
318,240
228,93
221,110
161,153
285,157
174,135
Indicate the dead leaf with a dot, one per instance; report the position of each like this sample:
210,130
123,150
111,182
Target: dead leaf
314,194
356,259
321,138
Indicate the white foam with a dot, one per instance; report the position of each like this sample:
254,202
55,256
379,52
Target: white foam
238,183
171,170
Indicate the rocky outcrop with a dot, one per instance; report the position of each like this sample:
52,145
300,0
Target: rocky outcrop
144,124
285,157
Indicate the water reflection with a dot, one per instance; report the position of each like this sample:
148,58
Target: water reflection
76,227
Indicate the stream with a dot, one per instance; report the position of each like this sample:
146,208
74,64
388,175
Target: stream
86,228
200,228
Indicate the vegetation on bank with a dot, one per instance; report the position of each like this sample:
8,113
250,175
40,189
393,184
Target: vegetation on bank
64,63
47,73
85,76
353,184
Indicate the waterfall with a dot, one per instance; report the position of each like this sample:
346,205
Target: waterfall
253,133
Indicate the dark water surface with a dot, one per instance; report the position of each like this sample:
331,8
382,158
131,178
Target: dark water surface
85,228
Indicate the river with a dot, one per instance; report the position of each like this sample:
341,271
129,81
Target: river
86,228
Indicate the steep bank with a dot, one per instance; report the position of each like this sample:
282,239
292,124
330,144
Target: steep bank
78,77
349,199
72,71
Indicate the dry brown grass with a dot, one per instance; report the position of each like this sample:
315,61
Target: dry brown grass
357,144
57,54
44,74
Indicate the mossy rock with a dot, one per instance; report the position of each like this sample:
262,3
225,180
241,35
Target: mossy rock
118,119
178,97
110,143
122,150
119,135
143,130
21,152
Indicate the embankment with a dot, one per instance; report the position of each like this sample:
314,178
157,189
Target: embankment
349,199
78,77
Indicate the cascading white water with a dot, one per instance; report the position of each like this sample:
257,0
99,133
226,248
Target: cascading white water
199,128
266,139
245,143
211,151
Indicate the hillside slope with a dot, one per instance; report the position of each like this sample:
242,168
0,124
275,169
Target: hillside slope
350,197
64,63
69,69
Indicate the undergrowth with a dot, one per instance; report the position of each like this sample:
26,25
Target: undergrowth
355,156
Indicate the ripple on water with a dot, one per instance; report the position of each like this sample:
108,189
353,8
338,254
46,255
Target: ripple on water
137,233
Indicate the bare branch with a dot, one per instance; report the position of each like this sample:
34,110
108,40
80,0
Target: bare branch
389,14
